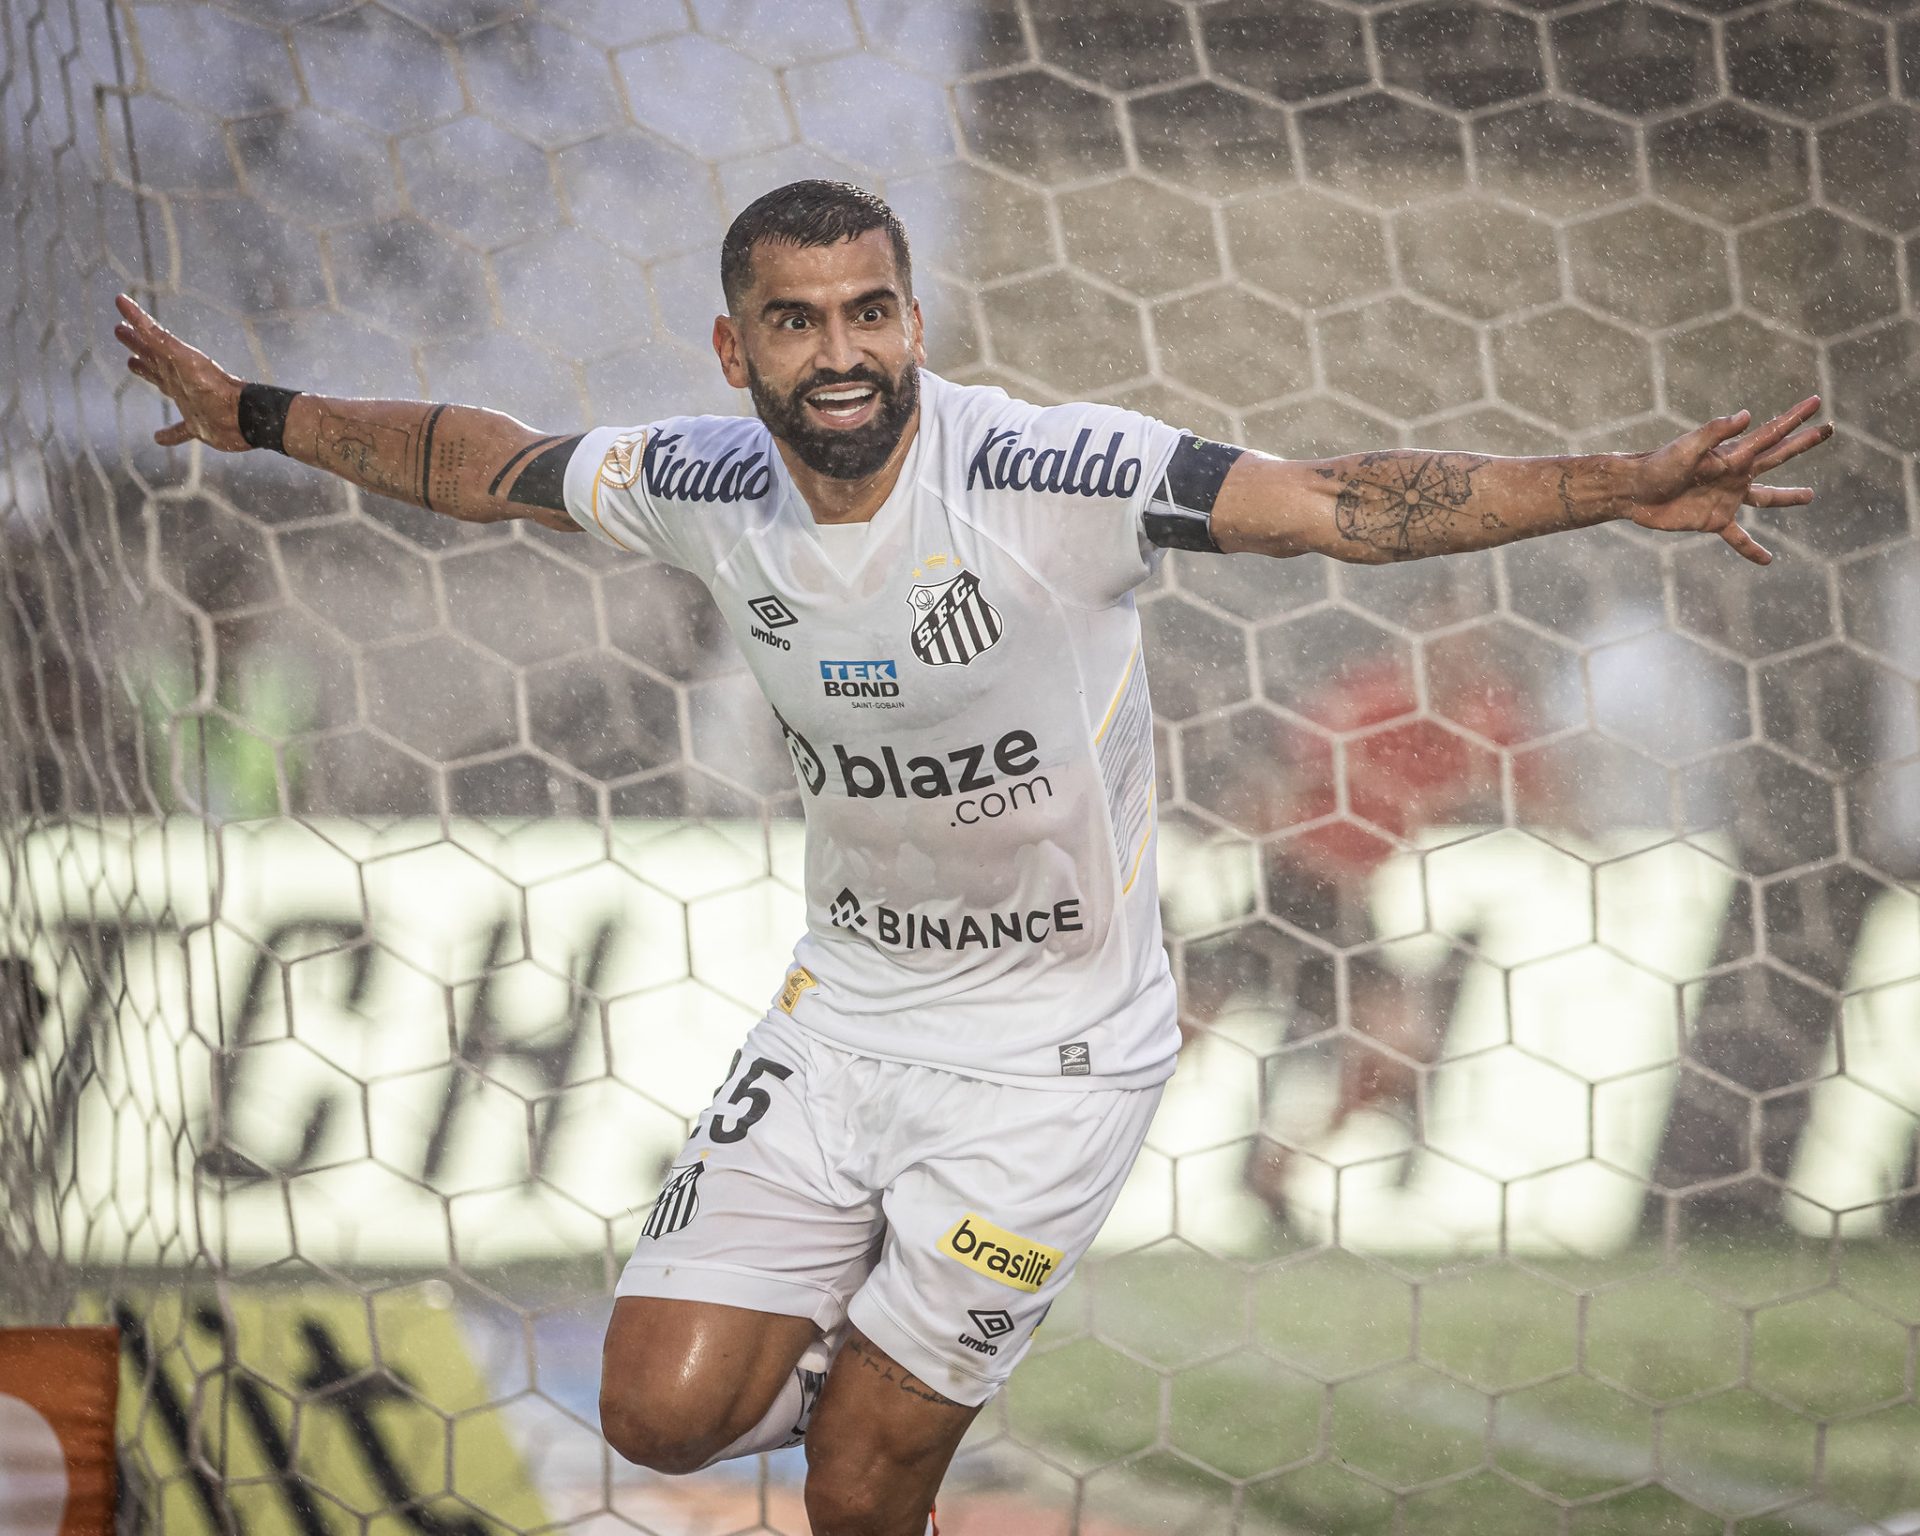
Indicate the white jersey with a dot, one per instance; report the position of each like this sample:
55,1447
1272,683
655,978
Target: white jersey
965,701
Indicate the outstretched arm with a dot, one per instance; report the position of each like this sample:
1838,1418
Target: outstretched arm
1378,507
477,465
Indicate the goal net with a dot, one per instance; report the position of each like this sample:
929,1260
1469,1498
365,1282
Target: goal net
380,896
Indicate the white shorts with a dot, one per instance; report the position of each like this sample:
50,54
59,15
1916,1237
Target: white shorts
941,1214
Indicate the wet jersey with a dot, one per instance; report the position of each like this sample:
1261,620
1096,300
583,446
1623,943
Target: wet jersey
964,698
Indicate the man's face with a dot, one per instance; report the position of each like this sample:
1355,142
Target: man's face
829,344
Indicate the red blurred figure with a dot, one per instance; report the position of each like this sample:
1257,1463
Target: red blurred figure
1391,771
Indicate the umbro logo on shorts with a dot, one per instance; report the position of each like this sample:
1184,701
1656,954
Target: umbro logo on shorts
987,1326
1004,1257
678,1203
1076,1060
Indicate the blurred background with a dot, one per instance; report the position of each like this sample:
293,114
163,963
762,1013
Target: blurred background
381,895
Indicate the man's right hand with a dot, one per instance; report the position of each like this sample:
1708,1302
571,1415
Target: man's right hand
205,394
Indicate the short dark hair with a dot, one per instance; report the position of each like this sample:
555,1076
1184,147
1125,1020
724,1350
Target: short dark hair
807,213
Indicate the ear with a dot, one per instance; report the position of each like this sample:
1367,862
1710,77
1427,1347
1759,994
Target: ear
728,348
918,331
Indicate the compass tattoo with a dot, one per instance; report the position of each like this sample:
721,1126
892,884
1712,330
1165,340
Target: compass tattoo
1406,505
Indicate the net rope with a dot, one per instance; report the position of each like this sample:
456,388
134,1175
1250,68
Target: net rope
381,896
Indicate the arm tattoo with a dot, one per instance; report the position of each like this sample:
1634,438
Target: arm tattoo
426,458
1408,504
543,483
518,459
870,1359
377,457
1566,498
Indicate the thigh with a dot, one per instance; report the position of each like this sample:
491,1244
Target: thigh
691,1373
755,1213
985,1227
749,1253
880,1442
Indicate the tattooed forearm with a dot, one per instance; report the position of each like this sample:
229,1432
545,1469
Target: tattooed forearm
862,1352
1405,505
380,458
469,463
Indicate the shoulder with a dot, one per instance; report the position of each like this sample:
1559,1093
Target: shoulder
994,443
681,489
699,460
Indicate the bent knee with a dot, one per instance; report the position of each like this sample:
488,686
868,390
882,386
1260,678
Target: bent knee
839,1505
658,1434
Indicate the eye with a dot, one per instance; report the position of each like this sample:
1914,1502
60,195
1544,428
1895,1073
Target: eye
794,323
873,314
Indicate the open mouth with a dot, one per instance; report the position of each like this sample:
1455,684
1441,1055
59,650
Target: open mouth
845,405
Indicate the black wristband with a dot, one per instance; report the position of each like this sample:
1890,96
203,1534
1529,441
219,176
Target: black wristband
263,415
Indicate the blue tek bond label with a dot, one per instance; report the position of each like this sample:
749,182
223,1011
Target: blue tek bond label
865,684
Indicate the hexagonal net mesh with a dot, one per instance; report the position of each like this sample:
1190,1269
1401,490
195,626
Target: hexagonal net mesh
383,894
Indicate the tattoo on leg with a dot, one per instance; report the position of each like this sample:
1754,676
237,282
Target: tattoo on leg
869,1358
1407,504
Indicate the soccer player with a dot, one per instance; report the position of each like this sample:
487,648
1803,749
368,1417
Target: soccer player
933,585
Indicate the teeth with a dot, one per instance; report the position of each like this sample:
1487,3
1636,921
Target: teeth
842,396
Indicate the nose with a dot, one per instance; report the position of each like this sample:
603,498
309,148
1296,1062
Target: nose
837,351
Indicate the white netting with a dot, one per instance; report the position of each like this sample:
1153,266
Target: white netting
382,895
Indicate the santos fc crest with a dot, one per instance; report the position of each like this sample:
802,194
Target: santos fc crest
952,620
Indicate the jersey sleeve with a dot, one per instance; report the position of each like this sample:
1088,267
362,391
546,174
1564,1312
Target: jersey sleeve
606,495
1069,487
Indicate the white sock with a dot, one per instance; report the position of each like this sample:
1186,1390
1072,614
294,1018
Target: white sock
785,1421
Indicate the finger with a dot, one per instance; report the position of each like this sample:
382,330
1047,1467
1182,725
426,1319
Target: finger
1771,432
140,368
125,335
1778,495
174,436
1798,444
1709,434
1746,545
138,318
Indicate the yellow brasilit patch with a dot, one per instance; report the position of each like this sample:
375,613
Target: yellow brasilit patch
1000,1255
798,980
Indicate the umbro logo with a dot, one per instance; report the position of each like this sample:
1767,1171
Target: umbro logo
987,1326
772,614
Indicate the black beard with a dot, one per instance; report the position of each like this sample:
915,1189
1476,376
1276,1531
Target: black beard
840,455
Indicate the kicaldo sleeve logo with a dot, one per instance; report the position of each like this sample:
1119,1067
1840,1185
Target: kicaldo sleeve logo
1000,1255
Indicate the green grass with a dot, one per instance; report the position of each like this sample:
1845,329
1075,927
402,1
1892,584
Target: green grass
1643,1394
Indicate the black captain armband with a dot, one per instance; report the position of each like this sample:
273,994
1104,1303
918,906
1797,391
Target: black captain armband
1179,514
263,415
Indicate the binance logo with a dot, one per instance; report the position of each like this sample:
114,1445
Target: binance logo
1002,1256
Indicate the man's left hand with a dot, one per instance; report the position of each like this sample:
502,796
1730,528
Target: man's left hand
1700,481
